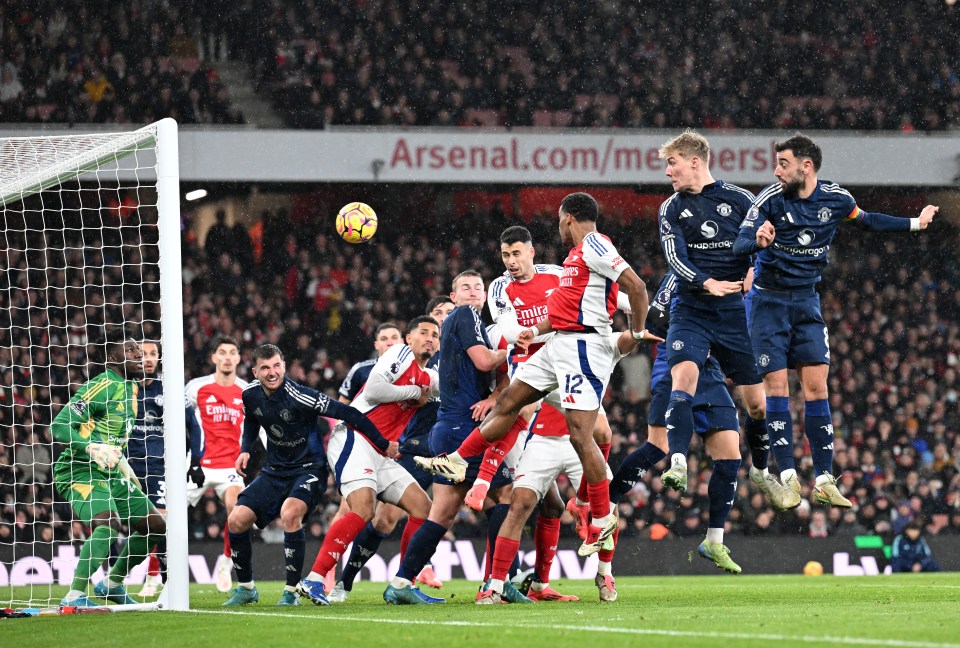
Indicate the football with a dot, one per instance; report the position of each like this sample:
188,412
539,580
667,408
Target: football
813,568
356,222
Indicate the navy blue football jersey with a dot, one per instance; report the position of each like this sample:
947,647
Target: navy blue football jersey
356,378
145,446
697,233
461,383
805,228
290,417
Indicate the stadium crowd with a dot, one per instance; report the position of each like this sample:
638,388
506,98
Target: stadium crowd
496,62
98,62
893,312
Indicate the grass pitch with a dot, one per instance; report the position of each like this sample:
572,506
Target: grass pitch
909,611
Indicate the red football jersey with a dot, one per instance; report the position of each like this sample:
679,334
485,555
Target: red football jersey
397,366
587,294
219,409
524,300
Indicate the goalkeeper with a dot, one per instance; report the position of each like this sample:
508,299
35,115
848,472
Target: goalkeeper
93,476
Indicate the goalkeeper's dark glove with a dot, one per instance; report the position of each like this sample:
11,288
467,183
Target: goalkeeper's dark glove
195,474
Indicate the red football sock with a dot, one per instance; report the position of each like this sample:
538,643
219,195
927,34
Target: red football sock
413,523
340,535
599,496
497,452
546,535
607,555
153,564
605,450
226,543
503,555
473,445
582,491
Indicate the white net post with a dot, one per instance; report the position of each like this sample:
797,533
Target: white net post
89,241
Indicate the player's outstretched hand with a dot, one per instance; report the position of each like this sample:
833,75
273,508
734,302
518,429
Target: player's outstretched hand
926,216
424,397
393,449
480,409
721,288
765,234
525,338
241,464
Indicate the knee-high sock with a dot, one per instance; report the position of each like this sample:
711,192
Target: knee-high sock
495,517
679,421
759,442
721,490
153,564
780,429
242,550
160,551
496,453
546,536
503,556
365,545
818,424
294,550
599,496
422,546
410,528
341,534
226,545
92,554
137,548
633,468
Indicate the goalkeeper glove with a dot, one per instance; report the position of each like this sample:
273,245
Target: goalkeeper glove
106,456
195,474
127,472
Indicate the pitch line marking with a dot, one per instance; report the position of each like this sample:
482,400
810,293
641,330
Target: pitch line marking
852,641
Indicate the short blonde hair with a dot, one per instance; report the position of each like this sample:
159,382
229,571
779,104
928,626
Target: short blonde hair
687,144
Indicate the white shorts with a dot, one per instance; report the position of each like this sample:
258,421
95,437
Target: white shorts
356,464
219,479
544,459
579,364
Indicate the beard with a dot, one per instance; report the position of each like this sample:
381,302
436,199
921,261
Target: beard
792,186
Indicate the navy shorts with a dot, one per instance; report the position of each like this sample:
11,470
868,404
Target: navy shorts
265,494
447,435
713,408
423,477
787,329
700,327
153,479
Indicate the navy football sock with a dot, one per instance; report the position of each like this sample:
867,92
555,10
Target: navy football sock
818,424
759,442
294,548
780,429
633,468
162,558
679,421
422,546
242,554
721,490
365,545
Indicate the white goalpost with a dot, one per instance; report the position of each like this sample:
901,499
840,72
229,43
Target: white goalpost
89,240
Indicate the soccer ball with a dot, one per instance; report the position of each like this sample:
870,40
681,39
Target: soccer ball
813,568
357,223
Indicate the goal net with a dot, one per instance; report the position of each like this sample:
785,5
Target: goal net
89,251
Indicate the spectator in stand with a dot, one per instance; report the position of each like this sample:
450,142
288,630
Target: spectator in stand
911,552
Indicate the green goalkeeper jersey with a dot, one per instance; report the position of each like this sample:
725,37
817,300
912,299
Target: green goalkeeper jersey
102,411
